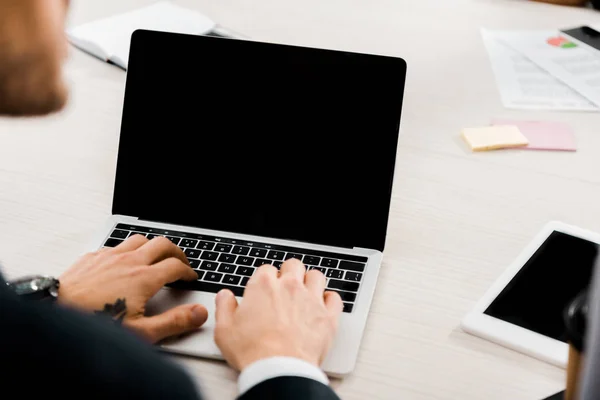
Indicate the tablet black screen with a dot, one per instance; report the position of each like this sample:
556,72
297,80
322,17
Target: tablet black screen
536,297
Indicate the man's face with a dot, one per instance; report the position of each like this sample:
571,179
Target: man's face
33,47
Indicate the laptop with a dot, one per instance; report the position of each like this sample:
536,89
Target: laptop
245,153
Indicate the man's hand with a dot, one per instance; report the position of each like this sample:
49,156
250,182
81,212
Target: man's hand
121,280
285,315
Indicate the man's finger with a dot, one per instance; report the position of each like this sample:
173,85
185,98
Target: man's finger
293,268
170,270
132,243
226,304
334,303
159,249
315,282
173,322
266,269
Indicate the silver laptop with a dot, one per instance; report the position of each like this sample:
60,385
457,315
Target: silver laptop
245,153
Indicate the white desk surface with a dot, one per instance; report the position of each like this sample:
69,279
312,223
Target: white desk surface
457,219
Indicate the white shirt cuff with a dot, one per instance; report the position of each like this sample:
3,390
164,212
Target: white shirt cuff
274,367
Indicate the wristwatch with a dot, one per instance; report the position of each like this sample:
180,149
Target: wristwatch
35,287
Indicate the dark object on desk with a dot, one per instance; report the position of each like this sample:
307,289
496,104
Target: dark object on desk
595,3
564,2
575,316
585,34
557,396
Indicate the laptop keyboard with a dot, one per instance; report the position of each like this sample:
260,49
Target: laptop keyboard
223,263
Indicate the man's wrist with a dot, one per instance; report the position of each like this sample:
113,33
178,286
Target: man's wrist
275,367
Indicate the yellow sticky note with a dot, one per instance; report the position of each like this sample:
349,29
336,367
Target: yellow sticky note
494,137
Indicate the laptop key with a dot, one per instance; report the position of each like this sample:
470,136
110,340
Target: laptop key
245,260
194,264
346,296
213,277
151,236
335,273
173,239
260,253
191,243
352,266
348,307
223,248
276,255
206,246
312,260
241,250
203,286
191,253
261,261
353,276
137,233
297,256
245,281
228,268
200,274
277,264
329,263
247,271
232,279
209,265
119,234
228,258
112,242
343,285
209,255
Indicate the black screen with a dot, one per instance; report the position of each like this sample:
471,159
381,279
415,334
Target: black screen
264,139
537,296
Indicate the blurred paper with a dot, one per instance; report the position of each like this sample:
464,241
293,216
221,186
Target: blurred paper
524,85
567,59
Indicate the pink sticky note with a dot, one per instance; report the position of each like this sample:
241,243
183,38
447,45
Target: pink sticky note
544,135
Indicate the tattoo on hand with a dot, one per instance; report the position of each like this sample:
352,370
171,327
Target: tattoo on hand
116,311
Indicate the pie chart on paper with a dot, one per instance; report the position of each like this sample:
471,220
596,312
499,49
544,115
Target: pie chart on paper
561,42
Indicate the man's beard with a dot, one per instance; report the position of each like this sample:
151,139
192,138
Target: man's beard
31,84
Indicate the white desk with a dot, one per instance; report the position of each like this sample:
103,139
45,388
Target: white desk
457,220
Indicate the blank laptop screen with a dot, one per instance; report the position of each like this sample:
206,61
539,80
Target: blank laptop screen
271,140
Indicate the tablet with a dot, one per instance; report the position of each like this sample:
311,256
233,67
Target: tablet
523,310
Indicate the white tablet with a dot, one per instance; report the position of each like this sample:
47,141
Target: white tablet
523,310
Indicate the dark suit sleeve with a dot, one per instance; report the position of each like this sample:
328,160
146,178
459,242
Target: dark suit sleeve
47,351
290,388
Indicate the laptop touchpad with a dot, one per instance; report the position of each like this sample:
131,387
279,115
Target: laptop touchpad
199,343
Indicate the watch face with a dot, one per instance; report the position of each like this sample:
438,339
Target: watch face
30,285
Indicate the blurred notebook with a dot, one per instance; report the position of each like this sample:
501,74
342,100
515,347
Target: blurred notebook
109,39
